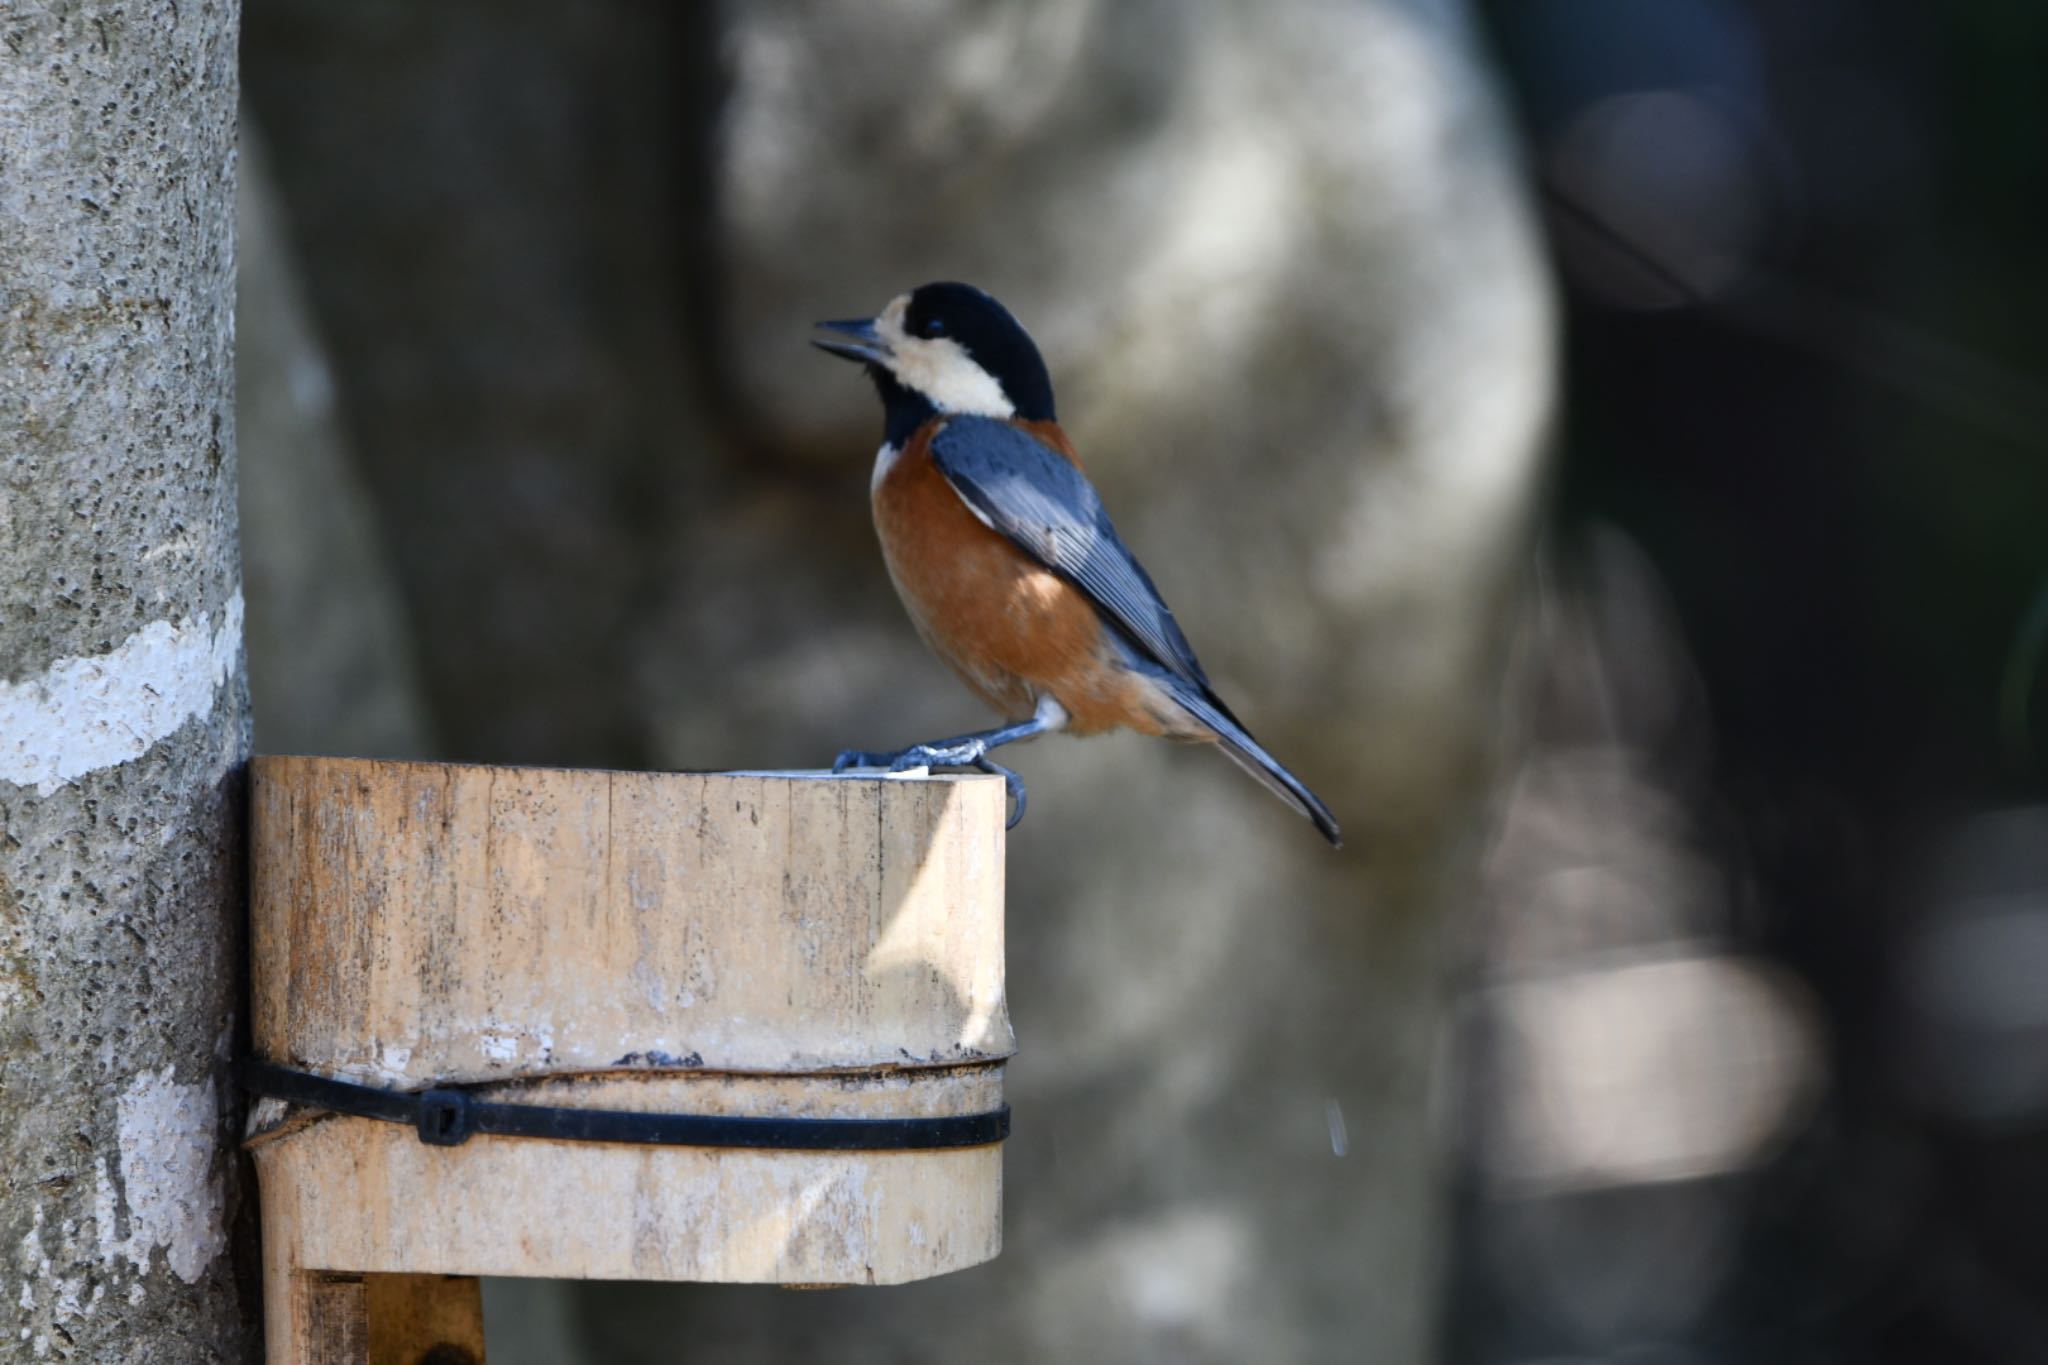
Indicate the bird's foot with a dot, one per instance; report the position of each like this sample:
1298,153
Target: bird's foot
971,752
944,753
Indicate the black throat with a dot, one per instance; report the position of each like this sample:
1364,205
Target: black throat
903,410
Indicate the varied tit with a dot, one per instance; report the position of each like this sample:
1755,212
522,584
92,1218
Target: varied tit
1005,558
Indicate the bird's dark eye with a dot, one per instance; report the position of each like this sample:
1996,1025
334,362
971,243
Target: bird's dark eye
932,327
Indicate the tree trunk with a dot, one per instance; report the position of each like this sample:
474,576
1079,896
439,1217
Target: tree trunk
123,707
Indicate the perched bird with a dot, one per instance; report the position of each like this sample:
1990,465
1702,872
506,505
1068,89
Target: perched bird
1005,558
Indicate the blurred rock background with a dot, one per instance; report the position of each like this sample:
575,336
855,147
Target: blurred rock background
537,467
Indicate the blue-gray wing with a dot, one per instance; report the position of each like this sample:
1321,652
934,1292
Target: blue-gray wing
1039,499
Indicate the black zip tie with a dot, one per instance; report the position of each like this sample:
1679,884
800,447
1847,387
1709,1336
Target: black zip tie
447,1117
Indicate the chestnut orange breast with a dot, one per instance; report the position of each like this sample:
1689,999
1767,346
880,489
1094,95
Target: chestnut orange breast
1010,627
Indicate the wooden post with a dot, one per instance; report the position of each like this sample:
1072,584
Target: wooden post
734,944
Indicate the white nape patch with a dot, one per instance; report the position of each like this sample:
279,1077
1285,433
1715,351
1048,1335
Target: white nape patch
940,369
167,1140
885,460
85,714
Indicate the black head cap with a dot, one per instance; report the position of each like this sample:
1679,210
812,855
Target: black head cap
988,333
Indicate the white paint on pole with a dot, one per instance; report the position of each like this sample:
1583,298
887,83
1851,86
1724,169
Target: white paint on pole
81,715
167,1133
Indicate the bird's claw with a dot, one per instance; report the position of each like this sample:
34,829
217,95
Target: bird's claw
1012,783
972,753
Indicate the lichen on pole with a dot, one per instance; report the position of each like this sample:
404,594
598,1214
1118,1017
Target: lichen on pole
123,701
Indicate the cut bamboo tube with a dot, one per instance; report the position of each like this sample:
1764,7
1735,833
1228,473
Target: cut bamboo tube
771,945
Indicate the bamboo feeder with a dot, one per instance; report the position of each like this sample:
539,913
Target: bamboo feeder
706,944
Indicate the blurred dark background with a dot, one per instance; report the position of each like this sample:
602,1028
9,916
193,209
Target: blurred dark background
1602,444
1800,245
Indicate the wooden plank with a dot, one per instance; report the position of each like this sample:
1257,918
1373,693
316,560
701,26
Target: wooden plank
348,1319
329,1324
425,1319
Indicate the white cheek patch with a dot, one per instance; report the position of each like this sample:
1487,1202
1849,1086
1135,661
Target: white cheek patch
940,369
943,372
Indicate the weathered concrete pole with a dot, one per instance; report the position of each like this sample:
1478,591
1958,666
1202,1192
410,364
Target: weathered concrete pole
123,703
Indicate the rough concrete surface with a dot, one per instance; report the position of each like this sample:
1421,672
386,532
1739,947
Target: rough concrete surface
122,706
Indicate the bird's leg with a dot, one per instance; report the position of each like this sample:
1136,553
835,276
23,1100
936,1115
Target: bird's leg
966,751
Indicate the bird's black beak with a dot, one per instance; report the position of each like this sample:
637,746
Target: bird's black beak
865,344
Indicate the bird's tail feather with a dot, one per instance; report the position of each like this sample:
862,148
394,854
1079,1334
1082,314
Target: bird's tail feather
1243,750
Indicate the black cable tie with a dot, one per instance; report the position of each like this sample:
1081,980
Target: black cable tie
446,1117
